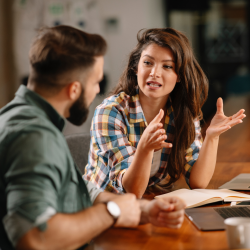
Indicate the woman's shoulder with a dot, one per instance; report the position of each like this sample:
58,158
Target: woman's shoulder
117,101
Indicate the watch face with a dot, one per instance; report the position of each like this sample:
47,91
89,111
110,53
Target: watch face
113,209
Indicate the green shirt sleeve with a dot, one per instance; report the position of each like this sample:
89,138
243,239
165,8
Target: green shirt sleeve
33,181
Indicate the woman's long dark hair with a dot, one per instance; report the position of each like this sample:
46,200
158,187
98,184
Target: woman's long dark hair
187,97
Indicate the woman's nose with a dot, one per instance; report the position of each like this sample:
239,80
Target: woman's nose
155,73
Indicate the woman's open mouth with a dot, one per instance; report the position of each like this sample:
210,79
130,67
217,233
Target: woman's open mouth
153,85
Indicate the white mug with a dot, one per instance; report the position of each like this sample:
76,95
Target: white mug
238,232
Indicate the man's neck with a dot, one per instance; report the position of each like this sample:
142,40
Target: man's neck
56,101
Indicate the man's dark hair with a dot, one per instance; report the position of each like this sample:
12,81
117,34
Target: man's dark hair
60,50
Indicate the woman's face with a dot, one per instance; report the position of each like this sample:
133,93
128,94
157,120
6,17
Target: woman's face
156,74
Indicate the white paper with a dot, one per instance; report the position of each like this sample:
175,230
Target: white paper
195,196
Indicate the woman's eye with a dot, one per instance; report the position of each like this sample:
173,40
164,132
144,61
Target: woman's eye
147,62
167,67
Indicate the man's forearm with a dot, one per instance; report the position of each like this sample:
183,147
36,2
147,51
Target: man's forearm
68,231
106,196
144,211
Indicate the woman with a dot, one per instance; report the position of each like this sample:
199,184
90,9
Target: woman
148,130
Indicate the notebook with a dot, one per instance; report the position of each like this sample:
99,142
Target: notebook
240,182
212,218
199,197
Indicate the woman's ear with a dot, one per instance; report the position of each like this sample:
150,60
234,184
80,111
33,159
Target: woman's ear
178,79
74,90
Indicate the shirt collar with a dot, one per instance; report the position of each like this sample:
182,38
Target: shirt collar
36,100
138,116
136,113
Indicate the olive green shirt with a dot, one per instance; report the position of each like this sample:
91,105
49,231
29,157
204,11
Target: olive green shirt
38,177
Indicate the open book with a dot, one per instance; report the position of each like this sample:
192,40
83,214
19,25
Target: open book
199,197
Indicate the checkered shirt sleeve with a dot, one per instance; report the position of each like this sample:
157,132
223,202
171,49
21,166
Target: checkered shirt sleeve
192,152
110,151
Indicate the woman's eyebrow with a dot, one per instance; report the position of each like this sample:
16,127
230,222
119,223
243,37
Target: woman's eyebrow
169,60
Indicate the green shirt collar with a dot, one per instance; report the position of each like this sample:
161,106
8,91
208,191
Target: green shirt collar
35,99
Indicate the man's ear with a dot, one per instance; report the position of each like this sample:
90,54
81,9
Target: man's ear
74,90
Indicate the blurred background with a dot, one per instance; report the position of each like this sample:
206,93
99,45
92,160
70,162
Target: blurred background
218,31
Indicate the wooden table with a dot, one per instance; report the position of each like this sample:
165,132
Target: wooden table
233,159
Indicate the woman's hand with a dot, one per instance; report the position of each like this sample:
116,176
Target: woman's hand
154,136
221,123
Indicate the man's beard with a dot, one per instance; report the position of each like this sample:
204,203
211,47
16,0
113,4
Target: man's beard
79,111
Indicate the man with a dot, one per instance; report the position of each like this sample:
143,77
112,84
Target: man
45,204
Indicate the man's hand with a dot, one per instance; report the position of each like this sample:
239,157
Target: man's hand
130,210
168,212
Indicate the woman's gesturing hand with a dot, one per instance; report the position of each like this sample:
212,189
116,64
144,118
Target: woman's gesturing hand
221,123
154,136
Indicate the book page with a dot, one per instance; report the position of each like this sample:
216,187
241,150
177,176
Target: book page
225,194
192,198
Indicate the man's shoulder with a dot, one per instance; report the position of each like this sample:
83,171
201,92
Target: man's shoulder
24,117
29,136
22,121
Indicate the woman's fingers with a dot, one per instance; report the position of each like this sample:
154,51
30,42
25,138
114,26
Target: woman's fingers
223,123
239,116
154,127
158,117
234,122
166,145
219,105
160,132
161,138
160,142
239,113
156,134
223,128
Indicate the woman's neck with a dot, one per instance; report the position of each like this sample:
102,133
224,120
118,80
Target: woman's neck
152,106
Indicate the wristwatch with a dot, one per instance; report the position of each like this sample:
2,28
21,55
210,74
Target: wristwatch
113,210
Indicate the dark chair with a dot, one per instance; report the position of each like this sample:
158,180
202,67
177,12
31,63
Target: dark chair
79,148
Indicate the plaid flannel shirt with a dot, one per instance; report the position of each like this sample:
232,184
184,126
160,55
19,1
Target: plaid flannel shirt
116,129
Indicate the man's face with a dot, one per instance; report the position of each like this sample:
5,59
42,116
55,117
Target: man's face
91,84
80,109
